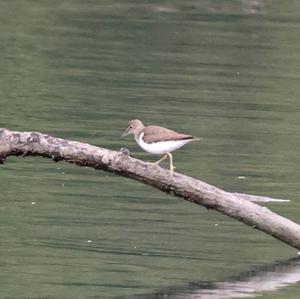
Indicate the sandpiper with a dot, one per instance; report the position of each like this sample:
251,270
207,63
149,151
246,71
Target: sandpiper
157,140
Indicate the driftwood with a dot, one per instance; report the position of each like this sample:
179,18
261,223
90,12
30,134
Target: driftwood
236,205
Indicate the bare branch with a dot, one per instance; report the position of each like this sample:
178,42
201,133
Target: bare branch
234,205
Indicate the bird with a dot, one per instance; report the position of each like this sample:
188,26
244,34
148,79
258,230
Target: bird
158,140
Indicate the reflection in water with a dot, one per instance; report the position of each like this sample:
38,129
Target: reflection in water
245,285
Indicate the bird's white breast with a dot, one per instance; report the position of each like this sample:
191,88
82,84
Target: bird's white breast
161,147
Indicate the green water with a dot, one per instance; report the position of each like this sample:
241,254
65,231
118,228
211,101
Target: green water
227,71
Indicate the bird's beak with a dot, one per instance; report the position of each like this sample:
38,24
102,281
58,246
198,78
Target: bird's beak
125,133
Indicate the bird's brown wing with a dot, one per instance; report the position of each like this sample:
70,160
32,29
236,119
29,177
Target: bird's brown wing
156,134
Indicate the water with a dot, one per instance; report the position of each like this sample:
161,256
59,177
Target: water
225,71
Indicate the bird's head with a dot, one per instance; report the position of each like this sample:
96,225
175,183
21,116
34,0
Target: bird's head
135,127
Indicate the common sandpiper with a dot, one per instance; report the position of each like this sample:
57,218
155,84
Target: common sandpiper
158,140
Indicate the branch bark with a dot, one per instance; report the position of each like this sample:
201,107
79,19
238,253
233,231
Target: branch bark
236,205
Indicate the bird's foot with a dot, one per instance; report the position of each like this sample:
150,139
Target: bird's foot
153,164
172,170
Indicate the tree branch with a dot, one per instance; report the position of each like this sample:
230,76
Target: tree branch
235,205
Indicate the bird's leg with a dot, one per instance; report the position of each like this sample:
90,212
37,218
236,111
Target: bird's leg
160,160
172,167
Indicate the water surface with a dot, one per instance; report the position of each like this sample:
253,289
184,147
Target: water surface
225,71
